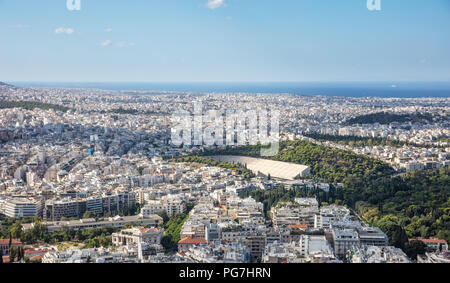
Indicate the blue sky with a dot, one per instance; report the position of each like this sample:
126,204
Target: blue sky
224,41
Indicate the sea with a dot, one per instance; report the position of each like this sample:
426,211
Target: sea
347,89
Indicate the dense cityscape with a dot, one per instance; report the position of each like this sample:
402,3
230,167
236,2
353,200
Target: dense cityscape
91,175
224,140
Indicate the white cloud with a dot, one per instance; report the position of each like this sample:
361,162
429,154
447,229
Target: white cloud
214,4
106,43
229,18
108,30
62,30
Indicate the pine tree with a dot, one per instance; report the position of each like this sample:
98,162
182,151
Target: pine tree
12,254
20,253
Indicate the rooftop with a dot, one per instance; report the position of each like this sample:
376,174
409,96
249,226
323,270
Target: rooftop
189,240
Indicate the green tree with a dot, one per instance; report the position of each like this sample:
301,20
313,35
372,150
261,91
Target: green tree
20,253
391,226
414,248
12,254
16,230
89,214
164,216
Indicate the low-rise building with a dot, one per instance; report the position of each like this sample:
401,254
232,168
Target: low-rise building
434,244
186,243
5,244
138,235
374,254
117,221
344,240
22,207
372,236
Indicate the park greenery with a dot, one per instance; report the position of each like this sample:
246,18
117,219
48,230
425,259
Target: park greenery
39,234
355,141
418,202
329,164
413,205
385,118
172,228
132,112
30,105
240,169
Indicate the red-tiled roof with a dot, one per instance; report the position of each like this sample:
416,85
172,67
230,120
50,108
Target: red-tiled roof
188,240
13,241
300,226
431,240
143,231
37,257
5,259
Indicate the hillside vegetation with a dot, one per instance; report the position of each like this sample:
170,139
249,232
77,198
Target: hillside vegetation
330,164
413,205
385,118
30,105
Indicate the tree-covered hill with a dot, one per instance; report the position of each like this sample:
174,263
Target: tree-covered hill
387,118
30,105
418,202
357,141
413,205
330,164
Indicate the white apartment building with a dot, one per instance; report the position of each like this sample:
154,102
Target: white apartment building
315,246
153,207
175,206
138,235
171,206
323,221
328,215
344,240
22,207
299,213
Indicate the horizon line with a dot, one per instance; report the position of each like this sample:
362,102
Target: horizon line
230,82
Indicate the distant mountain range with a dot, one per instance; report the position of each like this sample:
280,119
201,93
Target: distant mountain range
4,89
5,84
